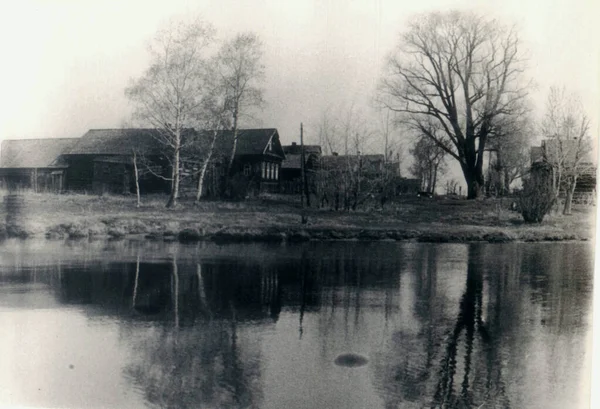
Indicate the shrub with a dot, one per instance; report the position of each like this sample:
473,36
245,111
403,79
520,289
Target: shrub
537,197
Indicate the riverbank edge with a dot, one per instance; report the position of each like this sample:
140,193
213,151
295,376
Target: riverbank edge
115,228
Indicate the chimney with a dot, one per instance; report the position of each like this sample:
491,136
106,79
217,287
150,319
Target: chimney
334,153
293,143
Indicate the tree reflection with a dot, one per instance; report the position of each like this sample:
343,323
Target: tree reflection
450,326
470,325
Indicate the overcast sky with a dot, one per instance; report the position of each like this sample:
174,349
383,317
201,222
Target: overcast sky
65,64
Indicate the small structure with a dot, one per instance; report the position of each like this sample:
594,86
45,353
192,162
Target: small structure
36,164
291,167
102,161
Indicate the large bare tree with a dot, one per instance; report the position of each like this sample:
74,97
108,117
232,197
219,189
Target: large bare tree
168,95
462,72
568,145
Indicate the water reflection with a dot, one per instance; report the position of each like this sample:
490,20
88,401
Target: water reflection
251,326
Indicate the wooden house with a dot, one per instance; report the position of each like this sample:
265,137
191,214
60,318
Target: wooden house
569,153
291,167
36,164
101,161
256,166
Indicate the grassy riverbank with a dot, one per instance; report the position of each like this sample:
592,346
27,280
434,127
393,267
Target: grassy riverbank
277,218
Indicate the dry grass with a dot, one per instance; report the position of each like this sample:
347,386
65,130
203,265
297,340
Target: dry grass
461,220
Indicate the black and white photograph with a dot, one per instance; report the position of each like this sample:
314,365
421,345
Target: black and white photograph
303,204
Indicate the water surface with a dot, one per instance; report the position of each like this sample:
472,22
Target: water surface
159,325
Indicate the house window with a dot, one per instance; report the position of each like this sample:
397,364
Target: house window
268,170
247,169
264,170
276,172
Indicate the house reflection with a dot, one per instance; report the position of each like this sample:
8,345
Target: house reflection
448,326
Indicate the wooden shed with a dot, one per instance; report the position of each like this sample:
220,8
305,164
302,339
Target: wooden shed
36,164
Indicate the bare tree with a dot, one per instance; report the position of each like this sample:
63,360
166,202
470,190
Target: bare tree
168,95
239,64
509,158
451,186
354,175
428,162
214,120
392,153
567,147
462,72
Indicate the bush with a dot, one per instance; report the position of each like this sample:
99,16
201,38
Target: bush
537,197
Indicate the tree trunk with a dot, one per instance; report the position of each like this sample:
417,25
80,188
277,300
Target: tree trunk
137,180
205,167
570,191
435,170
475,182
175,173
235,136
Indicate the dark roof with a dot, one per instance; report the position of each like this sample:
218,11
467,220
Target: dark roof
120,141
34,153
116,142
294,149
292,162
251,142
344,160
254,141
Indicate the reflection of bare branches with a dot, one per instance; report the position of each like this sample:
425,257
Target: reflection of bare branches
137,280
470,322
175,290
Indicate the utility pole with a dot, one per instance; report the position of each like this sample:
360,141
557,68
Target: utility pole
303,168
302,192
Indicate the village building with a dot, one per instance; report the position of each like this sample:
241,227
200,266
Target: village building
256,166
102,161
36,164
552,151
291,167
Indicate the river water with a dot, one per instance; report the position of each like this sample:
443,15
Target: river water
140,324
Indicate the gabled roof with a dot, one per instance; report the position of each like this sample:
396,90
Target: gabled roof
121,141
256,141
116,142
34,153
252,142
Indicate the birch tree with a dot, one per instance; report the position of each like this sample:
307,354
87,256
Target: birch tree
241,72
567,148
463,72
168,95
